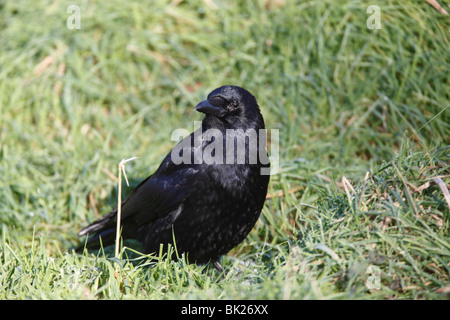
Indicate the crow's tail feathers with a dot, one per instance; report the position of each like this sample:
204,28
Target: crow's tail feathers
102,233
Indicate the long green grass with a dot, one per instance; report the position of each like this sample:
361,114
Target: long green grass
357,209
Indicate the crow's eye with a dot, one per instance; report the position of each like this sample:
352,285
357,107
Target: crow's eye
217,101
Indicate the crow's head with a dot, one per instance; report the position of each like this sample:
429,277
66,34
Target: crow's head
231,104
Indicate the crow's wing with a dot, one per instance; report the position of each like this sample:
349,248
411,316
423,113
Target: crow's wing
159,195
155,197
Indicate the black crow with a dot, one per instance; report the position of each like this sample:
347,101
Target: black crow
207,193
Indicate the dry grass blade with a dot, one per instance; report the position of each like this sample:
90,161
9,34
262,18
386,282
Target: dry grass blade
366,177
444,189
281,193
119,201
347,185
437,6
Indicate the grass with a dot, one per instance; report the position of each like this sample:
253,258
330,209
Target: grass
364,130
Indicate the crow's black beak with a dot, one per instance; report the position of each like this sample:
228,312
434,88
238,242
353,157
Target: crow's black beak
207,108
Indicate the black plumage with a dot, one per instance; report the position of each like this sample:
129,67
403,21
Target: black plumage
211,200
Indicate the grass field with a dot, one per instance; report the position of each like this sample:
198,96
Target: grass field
358,209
